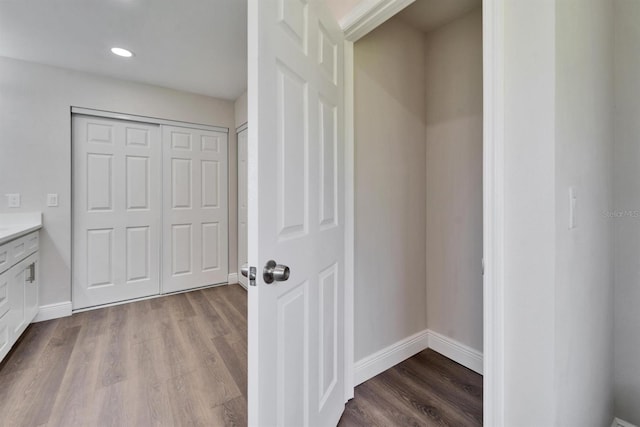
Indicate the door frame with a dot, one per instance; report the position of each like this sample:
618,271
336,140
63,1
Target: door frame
364,18
239,129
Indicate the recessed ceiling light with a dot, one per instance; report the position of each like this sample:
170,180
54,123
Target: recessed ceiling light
121,52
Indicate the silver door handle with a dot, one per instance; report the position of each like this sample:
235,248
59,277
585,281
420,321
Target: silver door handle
245,270
275,272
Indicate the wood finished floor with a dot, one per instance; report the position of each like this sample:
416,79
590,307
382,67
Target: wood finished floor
181,360
425,390
171,361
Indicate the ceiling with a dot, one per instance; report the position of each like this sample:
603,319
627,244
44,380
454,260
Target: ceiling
427,15
192,45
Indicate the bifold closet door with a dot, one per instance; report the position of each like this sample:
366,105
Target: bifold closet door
195,232
116,210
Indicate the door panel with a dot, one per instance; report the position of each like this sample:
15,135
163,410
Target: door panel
195,214
116,210
296,213
243,175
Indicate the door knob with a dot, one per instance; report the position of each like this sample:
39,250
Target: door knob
275,272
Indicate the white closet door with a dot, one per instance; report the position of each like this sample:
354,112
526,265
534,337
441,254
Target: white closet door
195,228
116,210
243,237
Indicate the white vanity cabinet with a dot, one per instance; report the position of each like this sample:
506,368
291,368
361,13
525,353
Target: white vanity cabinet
19,264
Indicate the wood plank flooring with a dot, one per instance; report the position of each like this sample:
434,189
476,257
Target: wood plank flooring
181,360
425,390
171,361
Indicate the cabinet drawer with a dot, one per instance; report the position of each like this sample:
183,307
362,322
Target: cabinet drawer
4,293
22,247
31,242
5,257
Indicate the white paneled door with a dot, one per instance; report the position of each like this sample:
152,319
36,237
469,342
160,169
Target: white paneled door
116,210
243,175
296,214
143,193
195,208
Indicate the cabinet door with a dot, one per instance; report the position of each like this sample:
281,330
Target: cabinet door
23,294
19,274
4,292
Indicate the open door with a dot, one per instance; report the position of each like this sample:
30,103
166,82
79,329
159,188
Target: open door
296,214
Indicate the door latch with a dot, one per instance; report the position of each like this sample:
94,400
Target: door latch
249,273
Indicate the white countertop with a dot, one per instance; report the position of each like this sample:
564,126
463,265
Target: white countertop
14,225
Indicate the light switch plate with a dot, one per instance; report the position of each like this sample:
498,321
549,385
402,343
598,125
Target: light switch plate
13,200
52,200
573,202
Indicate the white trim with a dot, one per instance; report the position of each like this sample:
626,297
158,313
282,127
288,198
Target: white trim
242,127
493,211
349,226
368,15
144,119
370,366
456,351
617,422
54,311
390,356
233,278
127,301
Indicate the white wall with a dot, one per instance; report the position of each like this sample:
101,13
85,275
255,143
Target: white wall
558,133
627,203
390,253
454,179
529,213
35,138
584,274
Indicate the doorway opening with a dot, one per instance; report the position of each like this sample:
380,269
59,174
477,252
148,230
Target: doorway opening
418,171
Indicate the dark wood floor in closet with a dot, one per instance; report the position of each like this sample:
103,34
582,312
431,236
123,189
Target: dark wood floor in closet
181,360
425,390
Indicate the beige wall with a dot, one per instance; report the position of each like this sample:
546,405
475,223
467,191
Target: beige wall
340,8
627,204
241,111
584,274
418,128
390,218
454,179
35,146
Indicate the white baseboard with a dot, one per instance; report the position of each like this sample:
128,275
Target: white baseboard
617,422
456,351
384,359
233,278
54,311
390,356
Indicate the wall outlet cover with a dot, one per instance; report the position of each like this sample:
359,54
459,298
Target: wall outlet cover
13,200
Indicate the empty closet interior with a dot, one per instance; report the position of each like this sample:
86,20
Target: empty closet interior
418,185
